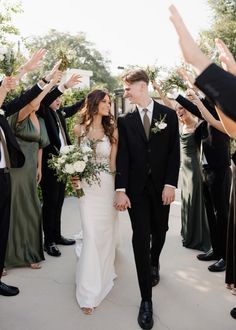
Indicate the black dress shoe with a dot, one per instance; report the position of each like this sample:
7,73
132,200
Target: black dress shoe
65,241
233,312
8,290
52,250
218,266
155,275
208,256
145,319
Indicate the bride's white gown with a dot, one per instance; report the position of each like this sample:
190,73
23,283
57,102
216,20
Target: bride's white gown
95,270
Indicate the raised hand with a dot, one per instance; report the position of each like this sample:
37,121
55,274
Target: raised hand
35,60
73,80
191,52
9,83
55,68
225,56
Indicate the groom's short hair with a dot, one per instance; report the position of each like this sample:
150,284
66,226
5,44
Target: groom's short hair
135,75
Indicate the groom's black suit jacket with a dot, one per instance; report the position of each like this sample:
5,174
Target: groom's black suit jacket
138,157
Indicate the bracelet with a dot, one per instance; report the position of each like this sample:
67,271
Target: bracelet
45,80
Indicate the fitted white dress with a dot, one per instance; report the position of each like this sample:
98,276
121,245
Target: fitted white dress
95,270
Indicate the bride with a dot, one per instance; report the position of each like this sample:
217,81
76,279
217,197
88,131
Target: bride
95,270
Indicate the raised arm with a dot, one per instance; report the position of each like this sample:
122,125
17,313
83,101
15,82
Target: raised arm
35,103
191,52
164,98
225,57
31,64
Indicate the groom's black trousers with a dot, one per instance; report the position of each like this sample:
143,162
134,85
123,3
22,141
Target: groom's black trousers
149,220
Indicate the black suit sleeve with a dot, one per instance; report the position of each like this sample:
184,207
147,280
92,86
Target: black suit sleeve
173,162
219,86
122,158
188,105
21,101
51,96
73,109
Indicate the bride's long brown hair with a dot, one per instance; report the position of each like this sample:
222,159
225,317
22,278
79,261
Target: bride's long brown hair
90,109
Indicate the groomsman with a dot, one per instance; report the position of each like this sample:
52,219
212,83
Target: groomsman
53,191
216,183
10,157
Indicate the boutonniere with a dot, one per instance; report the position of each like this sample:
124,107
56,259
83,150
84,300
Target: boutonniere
63,113
2,112
159,124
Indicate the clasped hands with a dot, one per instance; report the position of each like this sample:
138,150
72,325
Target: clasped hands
122,201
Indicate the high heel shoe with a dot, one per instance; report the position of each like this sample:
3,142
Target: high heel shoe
35,266
4,272
233,291
87,310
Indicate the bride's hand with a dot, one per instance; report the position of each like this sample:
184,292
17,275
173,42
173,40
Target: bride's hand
75,182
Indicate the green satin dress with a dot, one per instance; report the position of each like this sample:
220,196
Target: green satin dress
194,230
25,244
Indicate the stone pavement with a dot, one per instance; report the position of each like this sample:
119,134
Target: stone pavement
189,297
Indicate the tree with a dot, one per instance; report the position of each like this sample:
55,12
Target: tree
83,55
8,9
223,26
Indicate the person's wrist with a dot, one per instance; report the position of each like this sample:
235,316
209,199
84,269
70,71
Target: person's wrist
45,80
65,86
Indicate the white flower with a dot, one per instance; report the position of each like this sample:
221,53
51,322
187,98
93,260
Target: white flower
2,112
85,148
85,158
69,168
66,149
3,50
79,166
1,57
161,125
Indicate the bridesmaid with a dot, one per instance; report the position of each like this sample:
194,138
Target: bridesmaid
194,230
25,233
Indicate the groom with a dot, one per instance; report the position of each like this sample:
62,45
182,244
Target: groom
147,170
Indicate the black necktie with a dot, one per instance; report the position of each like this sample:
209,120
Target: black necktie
61,128
6,153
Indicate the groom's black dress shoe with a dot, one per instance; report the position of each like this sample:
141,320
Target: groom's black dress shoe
8,290
207,256
155,275
52,250
233,312
218,266
65,241
145,319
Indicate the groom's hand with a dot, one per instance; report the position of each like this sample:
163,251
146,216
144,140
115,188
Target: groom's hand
121,201
168,195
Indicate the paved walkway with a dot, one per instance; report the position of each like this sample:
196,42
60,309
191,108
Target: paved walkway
188,297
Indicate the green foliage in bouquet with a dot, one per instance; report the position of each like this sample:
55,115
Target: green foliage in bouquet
66,59
152,72
8,61
80,161
173,81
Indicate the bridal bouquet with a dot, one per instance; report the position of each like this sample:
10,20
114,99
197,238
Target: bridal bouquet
8,61
80,161
173,81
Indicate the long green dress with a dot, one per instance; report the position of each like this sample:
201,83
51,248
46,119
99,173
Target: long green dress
25,235
195,230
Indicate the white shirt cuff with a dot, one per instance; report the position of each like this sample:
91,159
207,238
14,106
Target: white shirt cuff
169,185
121,189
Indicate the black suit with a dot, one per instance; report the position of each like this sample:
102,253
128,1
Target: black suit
220,86
216,176
143,167
52,190
17,159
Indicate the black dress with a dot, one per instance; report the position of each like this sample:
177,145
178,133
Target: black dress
230,275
